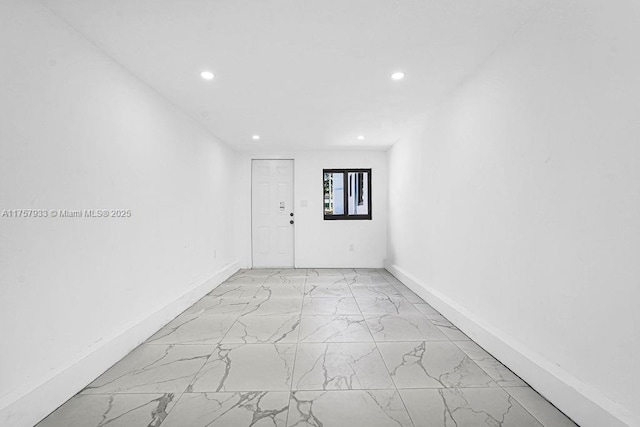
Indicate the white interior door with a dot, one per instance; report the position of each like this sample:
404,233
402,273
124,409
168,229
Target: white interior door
272,220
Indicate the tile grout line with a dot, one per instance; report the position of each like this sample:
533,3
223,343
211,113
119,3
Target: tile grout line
215,346
480,367
295,355
375,343
398,390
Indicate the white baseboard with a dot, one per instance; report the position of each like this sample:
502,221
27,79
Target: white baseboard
31,406
585,405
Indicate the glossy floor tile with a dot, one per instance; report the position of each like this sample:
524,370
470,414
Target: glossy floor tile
376,291
340,366
194,329
340,328
395,306
496,370
466,407
540,408
153,369
217,306
264,329
308,347
265,305
251,408
410,327
280,290
329,306
347,408
432,365
335,289
117,410
242,367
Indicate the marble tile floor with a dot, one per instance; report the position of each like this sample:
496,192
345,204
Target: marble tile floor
308,347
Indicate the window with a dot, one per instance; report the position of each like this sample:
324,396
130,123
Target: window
347,193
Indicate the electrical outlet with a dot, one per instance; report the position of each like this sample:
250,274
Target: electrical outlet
352,247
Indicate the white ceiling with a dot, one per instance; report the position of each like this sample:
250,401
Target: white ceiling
302,74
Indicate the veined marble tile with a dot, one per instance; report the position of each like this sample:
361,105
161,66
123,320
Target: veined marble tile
453,333
113,410
240,272
335,290
437,319
391,278
324,272
539,407
366,280
347,408
247,277
386,305
375,291
395,282
410,327
153,369
466,407
432,365
264,329
383,271
289,272
262,272
496,370
348,272
242,367
266,291
409,295
234,290
285,280
266,306
367,271
193,329
426,309
330,306
326,280
340,366
431,314
447,328
252,408
341,328
217,306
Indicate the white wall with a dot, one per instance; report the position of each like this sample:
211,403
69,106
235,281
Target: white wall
79,132
320,243
517,207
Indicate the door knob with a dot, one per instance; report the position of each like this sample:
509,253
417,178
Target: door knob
291,214
291,222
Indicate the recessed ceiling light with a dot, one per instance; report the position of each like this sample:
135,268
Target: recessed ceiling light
255,137
361,137
397,76
207,75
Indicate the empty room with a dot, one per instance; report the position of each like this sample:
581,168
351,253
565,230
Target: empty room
320,213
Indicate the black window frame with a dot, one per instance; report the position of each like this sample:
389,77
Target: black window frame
345,191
